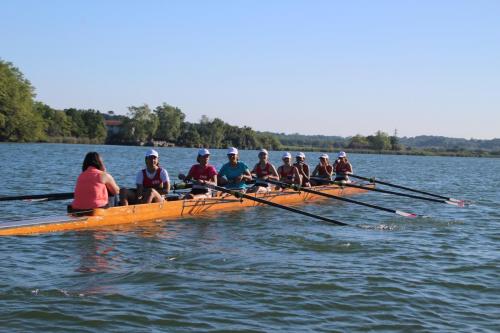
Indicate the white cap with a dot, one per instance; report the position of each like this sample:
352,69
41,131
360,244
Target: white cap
152,152
301,154
286,155
323,156
263,151
342,154
232,150
203,152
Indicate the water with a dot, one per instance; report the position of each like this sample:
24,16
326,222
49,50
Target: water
259,269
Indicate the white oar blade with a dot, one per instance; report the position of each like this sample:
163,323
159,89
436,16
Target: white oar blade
458,204
405,214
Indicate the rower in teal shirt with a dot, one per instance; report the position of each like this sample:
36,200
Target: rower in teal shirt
234,174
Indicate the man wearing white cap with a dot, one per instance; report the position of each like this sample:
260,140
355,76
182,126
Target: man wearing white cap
263,171
234,174
342,168
287,172
151,182
323,171
202,173
303,169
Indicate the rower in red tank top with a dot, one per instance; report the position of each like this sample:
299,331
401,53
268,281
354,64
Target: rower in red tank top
303,169
287,172
151,183
323,171
263,171
342,168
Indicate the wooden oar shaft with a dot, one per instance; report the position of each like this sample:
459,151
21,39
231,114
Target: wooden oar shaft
373,180
48,196
238,194
332,196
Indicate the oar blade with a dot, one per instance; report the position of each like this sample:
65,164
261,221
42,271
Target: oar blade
405,214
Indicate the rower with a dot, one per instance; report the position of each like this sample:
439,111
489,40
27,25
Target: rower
342,168
303,169
287,172
234,174
93,185
263,171
202,173
324,171
151,182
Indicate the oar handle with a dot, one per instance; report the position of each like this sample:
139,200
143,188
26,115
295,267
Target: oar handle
238,194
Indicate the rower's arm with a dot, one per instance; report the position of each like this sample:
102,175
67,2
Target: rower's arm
274,173
110,183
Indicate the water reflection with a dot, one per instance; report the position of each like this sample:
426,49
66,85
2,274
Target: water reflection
96,255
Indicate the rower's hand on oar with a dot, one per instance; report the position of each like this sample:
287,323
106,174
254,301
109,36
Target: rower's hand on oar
181,176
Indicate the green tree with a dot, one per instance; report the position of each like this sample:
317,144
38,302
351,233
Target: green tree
143,123
379,141
170,120
189,136
17,119
358,142
78,128
94,125
57,124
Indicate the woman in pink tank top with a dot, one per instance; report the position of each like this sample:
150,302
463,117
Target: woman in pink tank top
93,184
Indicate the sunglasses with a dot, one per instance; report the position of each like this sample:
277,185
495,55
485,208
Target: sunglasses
151,157
231,155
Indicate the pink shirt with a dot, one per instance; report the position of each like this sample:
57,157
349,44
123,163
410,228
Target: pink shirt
90,191
198,172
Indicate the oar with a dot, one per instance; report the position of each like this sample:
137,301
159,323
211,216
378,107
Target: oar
39,197
373,180
403,194
308,190
238,194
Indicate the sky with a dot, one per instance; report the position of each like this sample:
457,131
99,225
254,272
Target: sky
310,67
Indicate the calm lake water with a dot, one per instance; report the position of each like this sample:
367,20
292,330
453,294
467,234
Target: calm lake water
259,269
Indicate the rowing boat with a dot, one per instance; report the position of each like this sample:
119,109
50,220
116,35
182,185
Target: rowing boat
167,210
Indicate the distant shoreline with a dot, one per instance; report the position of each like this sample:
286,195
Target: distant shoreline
409,152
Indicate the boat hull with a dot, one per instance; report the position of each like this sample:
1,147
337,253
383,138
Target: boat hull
167,210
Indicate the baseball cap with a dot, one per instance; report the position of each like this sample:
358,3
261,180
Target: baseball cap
323,156
232,150
301,155
342,154
286,155
203,152
152,152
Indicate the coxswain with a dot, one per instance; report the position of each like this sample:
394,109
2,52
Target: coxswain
303,169
287,172
263,171
323,171
151,182
234,174
342,168
201,173
93,185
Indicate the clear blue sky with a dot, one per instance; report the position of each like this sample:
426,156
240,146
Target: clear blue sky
312,67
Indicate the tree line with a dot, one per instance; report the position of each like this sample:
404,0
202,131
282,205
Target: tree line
23,119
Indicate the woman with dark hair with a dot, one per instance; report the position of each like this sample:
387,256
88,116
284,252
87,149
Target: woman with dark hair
202,173
93,184
323,171
342,168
